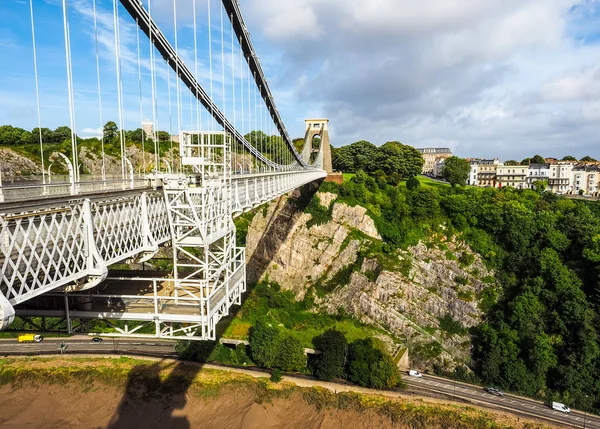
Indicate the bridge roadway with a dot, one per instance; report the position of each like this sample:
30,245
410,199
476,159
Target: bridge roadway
427,386
47,257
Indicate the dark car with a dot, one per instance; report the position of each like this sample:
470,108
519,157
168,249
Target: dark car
493,391
96,340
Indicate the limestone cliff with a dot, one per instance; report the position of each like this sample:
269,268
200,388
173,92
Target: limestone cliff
425,297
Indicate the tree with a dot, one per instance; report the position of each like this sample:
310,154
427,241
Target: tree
395,157
61,134
456,171
370,367
537,159
356,156
412,183
291,354
46,135
587,159
511,162
10,135
526,161
569,158
540,185
264,344
111,131
334,348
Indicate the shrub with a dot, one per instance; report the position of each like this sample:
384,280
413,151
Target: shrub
291,354
276,376
264,344
451,326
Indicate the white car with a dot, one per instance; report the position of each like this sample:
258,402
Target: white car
415,373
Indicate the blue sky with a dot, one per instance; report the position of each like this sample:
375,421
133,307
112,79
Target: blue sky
487,78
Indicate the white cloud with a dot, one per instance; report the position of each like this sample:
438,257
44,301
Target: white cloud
491,78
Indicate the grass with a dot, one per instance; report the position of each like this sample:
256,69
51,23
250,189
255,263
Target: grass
428,181
268,303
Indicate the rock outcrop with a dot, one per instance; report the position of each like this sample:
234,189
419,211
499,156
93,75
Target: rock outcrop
425,297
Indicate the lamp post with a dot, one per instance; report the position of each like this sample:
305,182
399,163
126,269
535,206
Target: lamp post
585,412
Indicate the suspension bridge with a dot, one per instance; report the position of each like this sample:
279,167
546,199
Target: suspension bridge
228,152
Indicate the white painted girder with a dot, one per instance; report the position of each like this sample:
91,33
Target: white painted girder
74,242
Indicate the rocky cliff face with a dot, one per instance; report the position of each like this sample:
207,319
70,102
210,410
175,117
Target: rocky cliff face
425,297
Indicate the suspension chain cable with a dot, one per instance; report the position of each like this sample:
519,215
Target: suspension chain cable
37,91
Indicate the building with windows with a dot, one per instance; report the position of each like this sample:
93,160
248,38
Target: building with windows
431,155
514,176
559,180
486,172
472,180
537,172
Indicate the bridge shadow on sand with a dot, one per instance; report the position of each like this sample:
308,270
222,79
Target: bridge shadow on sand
151,401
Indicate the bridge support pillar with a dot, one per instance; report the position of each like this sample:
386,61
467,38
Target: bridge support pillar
96,270
7,313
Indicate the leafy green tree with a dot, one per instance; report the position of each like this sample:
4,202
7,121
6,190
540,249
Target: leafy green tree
526,161
395,157
46,135
111,131
369,366
291,354
537,159
456,171
334,348
540,185
10,136
511,162
61,134
587,159
412,183
360,155
569,158
264,344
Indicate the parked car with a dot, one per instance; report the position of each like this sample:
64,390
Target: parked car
415,373
96,340
557,406
493,391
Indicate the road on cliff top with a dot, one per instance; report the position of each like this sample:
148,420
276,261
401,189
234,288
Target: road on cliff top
427,386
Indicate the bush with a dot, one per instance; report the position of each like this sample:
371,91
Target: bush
291,354
412,183
264,344
276,376
451,326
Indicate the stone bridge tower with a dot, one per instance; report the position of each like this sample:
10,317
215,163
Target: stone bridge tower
317,133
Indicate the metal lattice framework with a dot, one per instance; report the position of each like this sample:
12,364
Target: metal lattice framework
58,240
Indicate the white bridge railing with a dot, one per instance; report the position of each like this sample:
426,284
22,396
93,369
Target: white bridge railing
70,242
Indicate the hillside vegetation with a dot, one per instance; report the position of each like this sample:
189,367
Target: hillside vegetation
541,337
